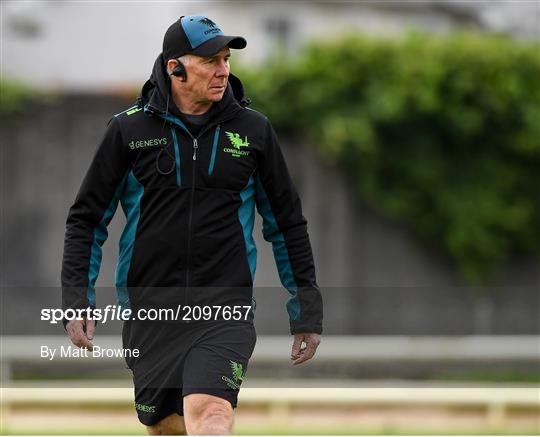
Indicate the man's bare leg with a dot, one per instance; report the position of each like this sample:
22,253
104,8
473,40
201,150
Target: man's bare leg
171,425
207,415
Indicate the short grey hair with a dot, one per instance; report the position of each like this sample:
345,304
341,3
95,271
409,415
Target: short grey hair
185,60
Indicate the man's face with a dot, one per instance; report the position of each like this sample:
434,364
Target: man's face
207,77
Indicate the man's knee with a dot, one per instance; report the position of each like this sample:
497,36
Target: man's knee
206,414
171,425
217,410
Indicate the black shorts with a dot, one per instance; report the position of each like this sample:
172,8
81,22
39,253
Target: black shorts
177,359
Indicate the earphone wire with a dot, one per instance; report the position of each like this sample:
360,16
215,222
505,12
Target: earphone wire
165,148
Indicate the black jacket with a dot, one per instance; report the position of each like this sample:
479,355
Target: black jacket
189,205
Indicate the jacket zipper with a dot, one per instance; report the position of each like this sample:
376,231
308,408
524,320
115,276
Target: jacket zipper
191,202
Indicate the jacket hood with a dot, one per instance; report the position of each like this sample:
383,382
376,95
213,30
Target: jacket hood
156,92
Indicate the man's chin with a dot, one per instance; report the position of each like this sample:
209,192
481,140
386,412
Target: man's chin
216,96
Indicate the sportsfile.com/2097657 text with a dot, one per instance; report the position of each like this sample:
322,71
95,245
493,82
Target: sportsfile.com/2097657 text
183,313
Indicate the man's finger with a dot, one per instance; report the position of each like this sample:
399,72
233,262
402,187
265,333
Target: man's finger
83,342
77,335
90,329
309,351
297,343
74,329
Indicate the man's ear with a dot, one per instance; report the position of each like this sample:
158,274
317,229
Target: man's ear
171,63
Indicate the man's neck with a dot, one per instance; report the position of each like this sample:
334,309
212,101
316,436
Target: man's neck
190,107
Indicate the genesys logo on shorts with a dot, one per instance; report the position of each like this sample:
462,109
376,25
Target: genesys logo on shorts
145,408
183,313
238,373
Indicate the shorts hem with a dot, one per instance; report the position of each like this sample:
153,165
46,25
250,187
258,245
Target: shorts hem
223,394
154,420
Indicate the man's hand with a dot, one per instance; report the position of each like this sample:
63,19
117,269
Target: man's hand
81,332
300,354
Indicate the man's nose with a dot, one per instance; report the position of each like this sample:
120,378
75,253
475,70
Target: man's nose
223,69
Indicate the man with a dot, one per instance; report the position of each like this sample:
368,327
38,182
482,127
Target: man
188,164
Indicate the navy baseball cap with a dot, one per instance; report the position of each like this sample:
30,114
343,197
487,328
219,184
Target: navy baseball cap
197,35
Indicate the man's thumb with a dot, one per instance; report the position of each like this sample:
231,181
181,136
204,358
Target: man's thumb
90,329
297,343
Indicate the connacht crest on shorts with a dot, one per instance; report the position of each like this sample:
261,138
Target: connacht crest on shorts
237,371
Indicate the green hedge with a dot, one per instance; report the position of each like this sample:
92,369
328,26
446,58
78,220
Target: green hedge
442,133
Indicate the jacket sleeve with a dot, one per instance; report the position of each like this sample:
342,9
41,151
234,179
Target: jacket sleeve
86,227
286,228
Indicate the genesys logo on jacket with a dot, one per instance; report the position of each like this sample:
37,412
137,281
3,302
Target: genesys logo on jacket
150,142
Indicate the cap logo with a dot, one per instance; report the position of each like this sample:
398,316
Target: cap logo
212,26
199,29
208,22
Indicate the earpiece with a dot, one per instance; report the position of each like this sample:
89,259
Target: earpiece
179,71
